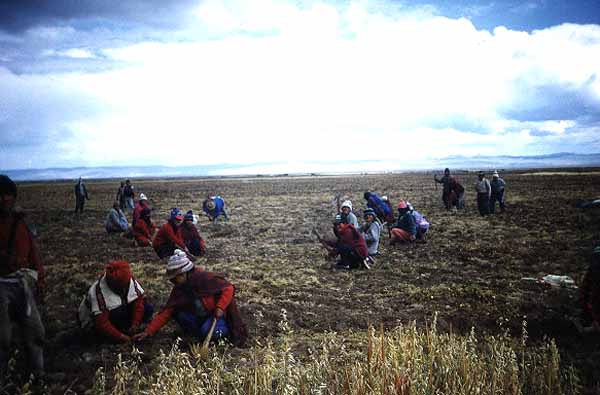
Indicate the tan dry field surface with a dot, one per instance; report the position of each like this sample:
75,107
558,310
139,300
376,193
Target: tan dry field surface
469,271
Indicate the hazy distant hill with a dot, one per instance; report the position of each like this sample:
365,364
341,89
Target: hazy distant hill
455,162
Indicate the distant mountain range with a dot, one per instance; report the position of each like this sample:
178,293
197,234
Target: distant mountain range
557,160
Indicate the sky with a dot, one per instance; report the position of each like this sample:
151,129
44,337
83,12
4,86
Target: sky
160,82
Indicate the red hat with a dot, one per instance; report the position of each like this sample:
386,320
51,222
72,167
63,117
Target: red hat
402,204
118,273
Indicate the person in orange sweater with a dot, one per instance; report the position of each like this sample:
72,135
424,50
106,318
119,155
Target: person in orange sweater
169,236
191,237
115,305
196,299
21,283
144,230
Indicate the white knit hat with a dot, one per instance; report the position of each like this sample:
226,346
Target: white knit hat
347,203
178,263
143,197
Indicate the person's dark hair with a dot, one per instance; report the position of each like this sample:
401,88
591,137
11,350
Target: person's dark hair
367,195
7,186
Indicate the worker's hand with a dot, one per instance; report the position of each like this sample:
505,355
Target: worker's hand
140,336
218,313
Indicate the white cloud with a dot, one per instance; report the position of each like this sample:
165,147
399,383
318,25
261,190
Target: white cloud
282,82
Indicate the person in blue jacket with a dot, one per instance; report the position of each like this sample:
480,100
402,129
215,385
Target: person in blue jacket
214,207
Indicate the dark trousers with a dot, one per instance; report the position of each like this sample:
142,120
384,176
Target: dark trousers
196,326
497,197
13,313
165,250
483,203
195,247
79,203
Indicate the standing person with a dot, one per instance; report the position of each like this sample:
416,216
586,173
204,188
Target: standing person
347,214
484,191
116,221
196,299
497,185
349,244
214,207
405,229
128,194
452,191
169,236
21,283
191,237
371,231
144,230
139,206
121,196
80,196
381,208
115,305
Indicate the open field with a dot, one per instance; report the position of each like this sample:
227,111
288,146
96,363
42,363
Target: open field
469,272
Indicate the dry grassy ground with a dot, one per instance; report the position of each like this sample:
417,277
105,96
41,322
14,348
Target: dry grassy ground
469,271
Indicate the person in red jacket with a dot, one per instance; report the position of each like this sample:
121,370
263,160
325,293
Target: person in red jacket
139,206
350,245
169,236
191,237
21,283
196,299
115,305
144,230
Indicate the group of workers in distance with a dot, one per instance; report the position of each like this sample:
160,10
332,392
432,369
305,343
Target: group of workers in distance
488,193
357,246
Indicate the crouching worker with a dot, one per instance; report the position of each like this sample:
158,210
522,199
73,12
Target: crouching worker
191,237
350,245
405,230
371,231
169,236
590,295
144,230
198,298
214,207
115,306
21,281
116,221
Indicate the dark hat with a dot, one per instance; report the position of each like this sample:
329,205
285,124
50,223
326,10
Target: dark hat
176,214
189,216
369,211
7,186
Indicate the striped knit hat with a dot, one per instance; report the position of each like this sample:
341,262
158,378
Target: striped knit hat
178,263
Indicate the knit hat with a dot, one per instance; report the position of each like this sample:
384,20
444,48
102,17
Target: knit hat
118,273
7,186
384,198
402,205
176,214
178,263
189,216
347,203
495,174
143,197
369,211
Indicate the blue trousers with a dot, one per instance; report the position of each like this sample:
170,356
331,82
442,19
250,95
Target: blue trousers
199,327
